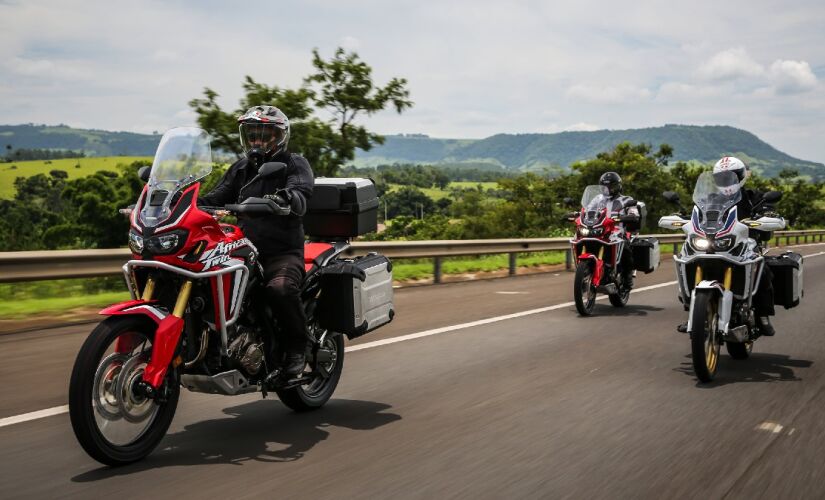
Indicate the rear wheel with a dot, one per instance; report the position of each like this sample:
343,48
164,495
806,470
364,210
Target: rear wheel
584,293
113,422
326,375
739,350
620,299
704,339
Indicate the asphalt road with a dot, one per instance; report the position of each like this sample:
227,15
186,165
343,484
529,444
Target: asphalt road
543,405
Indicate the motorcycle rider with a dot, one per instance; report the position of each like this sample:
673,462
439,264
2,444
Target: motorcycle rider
612,183
763,298
264,135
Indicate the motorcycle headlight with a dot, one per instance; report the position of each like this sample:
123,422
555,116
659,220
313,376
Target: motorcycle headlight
166,243
597,231
135,242
584,231
723,244
700,243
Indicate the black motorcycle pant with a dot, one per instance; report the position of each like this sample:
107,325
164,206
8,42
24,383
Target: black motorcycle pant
284,276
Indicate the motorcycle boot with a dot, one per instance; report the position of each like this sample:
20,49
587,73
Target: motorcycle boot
682,328
765,326
294,363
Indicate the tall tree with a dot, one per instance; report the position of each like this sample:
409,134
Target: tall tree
343,86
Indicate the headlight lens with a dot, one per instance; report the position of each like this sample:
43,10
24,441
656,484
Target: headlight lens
723,244
135,242
584,231
700,243
166,243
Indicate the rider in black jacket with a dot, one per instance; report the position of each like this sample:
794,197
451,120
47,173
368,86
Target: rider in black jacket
279,239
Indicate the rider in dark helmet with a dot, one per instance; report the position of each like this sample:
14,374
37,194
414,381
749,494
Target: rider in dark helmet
264,134
612,183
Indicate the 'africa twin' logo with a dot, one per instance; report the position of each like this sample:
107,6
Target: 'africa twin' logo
220,253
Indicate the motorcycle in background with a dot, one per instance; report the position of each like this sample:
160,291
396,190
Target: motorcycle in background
603,234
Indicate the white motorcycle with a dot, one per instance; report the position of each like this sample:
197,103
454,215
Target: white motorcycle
719,268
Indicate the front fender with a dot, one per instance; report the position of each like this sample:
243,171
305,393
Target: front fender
165,342
724,306
598,264
138,307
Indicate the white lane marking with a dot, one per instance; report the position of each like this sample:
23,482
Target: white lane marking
791,431
57,410
513,293
471,324
774,427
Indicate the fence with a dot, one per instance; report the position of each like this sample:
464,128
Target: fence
60,264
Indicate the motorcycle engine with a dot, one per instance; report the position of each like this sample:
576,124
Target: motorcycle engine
245,352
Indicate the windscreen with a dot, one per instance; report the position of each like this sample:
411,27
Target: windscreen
714,195
183,157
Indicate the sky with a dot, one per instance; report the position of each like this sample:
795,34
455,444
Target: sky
475,68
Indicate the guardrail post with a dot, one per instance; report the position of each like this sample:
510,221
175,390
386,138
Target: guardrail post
776,241
787,240
513,264
675,248
568,259
797,239
437,270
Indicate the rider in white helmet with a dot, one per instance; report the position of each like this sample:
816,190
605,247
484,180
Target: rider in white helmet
763,298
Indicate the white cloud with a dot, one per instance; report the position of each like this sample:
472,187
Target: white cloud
730,64
608,94
350,43
792,76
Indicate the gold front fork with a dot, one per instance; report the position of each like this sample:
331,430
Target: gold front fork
183,299
148,290
698,274
728,277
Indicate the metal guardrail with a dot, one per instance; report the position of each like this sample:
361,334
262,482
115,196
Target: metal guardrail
60,264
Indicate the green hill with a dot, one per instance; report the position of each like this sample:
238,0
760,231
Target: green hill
537,151
509,151
91,142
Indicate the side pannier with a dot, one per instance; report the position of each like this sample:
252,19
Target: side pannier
645,254
356,295
787,278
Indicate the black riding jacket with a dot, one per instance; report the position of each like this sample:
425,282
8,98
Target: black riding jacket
275,234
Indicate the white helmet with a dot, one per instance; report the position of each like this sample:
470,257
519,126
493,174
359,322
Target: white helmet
730,174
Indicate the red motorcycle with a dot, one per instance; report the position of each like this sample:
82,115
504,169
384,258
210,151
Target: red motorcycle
603,234
199,317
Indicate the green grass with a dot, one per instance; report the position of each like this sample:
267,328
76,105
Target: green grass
423,268
436,194
20,309
88,166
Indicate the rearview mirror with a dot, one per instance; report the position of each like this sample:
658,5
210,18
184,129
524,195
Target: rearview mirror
772,196
671,196
144,172
568,202
271,169
630,203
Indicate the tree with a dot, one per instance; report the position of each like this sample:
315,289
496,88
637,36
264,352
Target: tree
344,89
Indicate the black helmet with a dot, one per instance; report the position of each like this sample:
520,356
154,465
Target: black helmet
264,132
612,182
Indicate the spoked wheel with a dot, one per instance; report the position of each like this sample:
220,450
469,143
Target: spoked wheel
584,292
113,422
325,371
704,339
739,350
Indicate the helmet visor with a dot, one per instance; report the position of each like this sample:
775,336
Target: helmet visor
264,136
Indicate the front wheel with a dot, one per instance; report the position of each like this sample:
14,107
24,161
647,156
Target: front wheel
113,422
584,293
326,375
704,339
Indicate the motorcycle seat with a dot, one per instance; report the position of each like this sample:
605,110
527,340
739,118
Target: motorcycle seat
315,253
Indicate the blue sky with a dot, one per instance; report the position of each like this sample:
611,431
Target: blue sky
475,68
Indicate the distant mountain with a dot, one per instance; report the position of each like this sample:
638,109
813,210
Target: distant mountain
92,142
508,151
558,151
